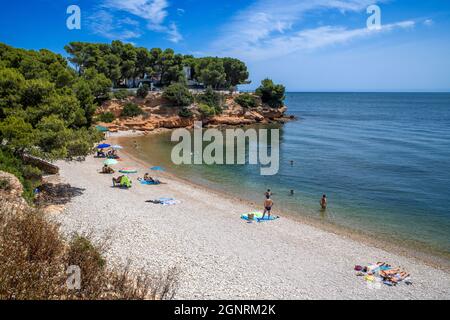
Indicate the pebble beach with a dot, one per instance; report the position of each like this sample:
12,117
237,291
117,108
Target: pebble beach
220,256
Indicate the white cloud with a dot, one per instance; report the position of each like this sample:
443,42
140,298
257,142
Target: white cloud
154,12
428,22
269,28
104,24
180,11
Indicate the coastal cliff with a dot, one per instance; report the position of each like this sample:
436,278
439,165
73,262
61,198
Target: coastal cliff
158,112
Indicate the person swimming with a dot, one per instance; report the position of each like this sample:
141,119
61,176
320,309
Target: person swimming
268,193
268,204
323,202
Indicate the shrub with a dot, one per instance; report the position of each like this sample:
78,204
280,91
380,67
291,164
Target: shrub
106,117
122,94
31,173
270,93
131,110
4,184
178,94
246,100
13,165
185,113
143,90
212,99
206,110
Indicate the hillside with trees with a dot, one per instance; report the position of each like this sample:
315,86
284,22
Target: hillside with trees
122,62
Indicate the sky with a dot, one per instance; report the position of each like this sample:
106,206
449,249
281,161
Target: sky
307,45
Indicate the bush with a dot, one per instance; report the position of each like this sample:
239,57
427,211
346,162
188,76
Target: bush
206,110
131,110
246,100
143,90
122,94
212,99
13,165
4,184
178,94
185,113
34,259
271,94
106,117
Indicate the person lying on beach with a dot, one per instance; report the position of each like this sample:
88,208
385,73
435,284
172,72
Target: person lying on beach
101,153
117,180
323,202
268,204
107,170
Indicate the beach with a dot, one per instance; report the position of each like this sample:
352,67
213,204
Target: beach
220,256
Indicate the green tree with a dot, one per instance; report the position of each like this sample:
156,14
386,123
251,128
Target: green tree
211,72
236,72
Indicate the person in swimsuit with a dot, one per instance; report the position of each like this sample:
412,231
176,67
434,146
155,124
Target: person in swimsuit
268,204
268,193
323,202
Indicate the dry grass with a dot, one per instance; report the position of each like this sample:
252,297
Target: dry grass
34,259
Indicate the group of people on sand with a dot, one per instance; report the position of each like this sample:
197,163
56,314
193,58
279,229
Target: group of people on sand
268,203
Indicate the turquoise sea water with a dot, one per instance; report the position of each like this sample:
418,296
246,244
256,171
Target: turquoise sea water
383,159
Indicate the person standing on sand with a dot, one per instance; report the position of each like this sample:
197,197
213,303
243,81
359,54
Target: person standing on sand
323,202
268,204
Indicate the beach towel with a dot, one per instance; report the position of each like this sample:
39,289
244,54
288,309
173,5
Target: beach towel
258,217
149,183
164,201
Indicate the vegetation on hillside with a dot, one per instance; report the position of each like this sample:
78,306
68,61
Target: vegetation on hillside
178,94
121,62
34,260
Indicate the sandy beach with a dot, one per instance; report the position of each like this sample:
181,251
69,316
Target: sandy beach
220,256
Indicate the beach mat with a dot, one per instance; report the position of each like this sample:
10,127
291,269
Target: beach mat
258,217
149,183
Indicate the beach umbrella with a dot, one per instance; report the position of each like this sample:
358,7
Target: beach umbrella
103,145
157,168
128,170
102,128
117,147
110,162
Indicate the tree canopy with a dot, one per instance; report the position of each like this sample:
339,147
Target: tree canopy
46,107
271,93
120,62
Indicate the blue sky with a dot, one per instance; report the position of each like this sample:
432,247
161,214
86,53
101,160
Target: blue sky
320,45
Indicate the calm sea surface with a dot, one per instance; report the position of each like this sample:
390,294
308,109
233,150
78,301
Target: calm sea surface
383,159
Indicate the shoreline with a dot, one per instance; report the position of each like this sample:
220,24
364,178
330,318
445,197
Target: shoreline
219,255
415,251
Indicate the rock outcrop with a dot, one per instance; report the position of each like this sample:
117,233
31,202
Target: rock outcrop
158,113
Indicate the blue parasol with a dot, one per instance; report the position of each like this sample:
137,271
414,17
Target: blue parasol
103,145
157,168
